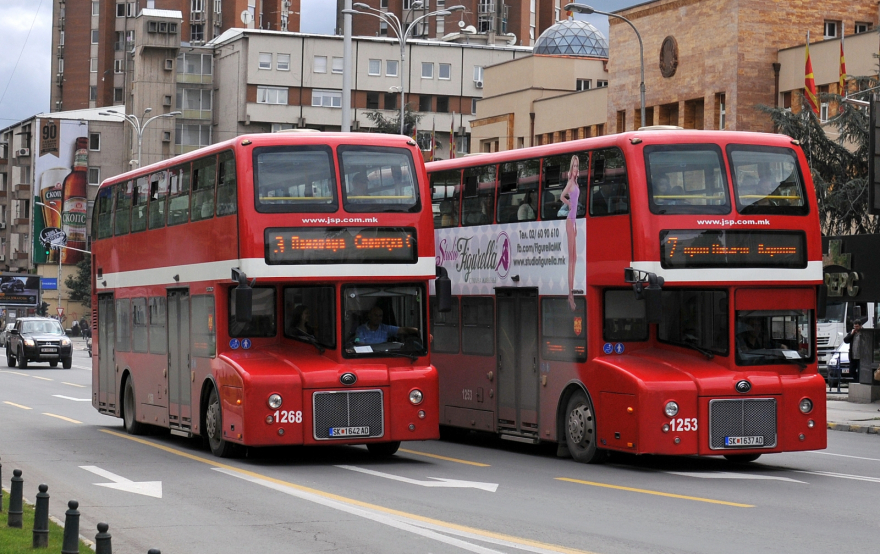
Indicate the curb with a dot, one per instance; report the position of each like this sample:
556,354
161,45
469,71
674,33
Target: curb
869,429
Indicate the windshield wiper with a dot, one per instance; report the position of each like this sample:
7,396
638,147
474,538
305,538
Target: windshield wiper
309,340
705,352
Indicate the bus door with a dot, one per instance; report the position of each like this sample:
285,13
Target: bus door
179,377
517,317
106,354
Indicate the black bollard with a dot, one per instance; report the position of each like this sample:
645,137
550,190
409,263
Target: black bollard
70,545
16,484
41,518
102,540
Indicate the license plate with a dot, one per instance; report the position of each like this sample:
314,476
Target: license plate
744,441
49,349
349,431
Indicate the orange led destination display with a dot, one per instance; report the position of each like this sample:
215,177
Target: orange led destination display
341,245
722,248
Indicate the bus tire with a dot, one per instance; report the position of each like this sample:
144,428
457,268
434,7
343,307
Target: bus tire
742,458
129,411
580,430
214,428
383,449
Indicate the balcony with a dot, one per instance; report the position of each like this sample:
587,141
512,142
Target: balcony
23,192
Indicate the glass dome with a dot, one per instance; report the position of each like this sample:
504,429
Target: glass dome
572,38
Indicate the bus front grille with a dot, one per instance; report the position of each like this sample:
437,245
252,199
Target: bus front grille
742,417
348,409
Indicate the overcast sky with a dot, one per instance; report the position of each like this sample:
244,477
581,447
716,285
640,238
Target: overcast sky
26,40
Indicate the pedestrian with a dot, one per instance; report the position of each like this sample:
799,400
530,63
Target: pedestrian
74,329
854,340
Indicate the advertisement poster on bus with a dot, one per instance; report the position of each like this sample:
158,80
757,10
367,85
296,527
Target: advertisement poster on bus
533,254
19,290
61,188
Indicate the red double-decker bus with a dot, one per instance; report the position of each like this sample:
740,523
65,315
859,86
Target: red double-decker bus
268,290
652,292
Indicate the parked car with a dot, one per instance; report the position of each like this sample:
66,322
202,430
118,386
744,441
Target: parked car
38,339
5,333
838,364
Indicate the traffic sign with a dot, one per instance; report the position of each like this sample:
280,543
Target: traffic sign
60,311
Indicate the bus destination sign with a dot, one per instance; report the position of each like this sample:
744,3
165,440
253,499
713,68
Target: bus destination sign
341,245
723,248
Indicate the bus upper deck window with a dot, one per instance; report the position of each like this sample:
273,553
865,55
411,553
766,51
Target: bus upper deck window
518,191
609,186
767,180
294,179
479,195
686,179
378,179
445,186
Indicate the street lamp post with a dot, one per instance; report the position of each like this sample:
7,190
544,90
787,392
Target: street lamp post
138,125
583,8
59,251
395,24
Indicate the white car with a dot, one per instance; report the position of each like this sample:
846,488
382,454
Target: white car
5,333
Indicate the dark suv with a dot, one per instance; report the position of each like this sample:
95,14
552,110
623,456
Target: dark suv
38,339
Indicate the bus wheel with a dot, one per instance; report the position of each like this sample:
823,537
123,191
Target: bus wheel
383,449
742,458
214,428
580,430
129,414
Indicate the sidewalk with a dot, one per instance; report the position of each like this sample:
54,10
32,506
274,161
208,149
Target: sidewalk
849,416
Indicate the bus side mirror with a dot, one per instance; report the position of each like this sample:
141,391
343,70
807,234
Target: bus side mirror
242,297
821,301
443,286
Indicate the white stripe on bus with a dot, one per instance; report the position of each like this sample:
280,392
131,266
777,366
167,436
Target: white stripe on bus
813,272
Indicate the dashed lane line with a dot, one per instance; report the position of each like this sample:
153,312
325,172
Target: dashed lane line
61,417
439,457
42,378
655,493
73,384
17,405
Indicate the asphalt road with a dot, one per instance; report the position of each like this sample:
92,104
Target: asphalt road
478,494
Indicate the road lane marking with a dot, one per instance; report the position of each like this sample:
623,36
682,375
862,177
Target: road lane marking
17,405
62,417
437,456
841,475
729,475
352,504
843,455
18,373
438,483
42,378
73,384
72,398
656,493
146,488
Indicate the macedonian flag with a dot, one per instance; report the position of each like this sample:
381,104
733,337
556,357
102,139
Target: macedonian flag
809,82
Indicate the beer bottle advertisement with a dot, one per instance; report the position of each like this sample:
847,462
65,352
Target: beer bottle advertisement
75,204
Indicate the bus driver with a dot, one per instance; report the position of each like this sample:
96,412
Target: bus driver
376,332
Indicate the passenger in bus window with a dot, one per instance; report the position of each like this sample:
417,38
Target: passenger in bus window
569,197
376,332
359,187
526,212
662,189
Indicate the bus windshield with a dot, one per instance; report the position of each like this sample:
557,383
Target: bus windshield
384,320
294,179
377,179
767,180
687,179
773,337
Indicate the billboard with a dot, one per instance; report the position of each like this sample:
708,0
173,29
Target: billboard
17,289
61,184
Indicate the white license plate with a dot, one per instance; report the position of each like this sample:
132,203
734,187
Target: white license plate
744,441
349,431
49,349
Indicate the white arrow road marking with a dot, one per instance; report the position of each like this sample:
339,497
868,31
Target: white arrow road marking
71,398
728,475
439,482
146,488
842,476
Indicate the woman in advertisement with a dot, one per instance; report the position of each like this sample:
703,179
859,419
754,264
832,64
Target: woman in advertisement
569,197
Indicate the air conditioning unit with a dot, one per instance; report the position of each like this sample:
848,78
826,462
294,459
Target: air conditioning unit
478,84
24,152
169,64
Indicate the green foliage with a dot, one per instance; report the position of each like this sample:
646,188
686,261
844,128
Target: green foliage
391,126
20,541
80,285
838,158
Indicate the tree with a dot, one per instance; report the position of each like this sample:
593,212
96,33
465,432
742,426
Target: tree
80,284
839,167
382,124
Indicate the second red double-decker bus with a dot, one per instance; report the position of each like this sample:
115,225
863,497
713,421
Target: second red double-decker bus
269,290
653,292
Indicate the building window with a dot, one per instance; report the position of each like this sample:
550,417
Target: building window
94,175
425,102
271,95
320,64
196,99
119,45
95,36
383,29
862,27
327,98
375,67
427,70
478,73
118,66
197,32
60,65
390,101
583,84
95,142
197,6
337,65
120,10
132,10
265,60
192,135
786,100
601,84
61,38
118,95
372,100
823,104
153,26
383,4
831,28
194,64
93,94
441,26
218,6
391,68
93,65
282,62
445,71
96,6
474,106
443,104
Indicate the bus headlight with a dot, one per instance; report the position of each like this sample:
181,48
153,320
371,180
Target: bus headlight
274,401
806,406
671,409
416,397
